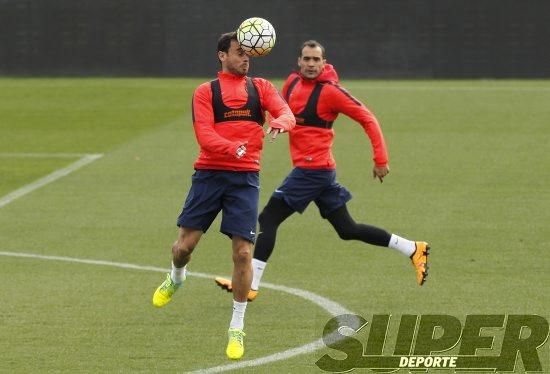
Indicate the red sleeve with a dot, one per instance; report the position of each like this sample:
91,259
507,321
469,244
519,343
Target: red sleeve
203,123
343,102
274,103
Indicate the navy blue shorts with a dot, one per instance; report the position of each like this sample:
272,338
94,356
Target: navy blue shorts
303,186
236,194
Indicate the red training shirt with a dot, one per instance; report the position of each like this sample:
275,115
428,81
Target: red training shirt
311,147
218,143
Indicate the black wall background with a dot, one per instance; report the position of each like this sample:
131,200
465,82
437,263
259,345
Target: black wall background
363,38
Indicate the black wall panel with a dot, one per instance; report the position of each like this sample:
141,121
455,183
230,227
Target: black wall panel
364,38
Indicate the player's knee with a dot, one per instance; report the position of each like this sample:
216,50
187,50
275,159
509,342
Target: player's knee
347,233
242,255
182,249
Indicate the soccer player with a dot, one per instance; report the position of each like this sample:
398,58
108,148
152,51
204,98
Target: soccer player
316,99
228,117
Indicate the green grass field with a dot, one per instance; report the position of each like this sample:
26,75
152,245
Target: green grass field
469,173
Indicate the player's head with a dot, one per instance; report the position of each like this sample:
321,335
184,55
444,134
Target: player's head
231,56
312,59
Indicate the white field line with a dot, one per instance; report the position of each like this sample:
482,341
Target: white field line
333,308
279,356
60,173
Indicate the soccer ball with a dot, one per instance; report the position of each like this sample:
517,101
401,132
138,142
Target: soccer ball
256,36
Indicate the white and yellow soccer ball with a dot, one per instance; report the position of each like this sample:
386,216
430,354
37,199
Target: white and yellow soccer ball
256,36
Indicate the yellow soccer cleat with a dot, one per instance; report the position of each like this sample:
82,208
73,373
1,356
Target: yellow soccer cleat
420,261
164,292
225,284
235,346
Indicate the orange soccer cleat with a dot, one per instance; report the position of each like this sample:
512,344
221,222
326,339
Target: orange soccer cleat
225,284
420,261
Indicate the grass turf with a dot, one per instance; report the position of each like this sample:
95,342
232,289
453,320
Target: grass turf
469,174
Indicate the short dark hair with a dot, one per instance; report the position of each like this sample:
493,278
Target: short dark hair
312,44
224,42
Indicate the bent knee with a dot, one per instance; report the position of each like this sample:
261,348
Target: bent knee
347,234
181,248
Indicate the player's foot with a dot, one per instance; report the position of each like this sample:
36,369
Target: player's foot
235,346
420,261
164,292
225,284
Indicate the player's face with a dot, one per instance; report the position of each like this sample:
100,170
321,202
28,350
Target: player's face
311,62
234,61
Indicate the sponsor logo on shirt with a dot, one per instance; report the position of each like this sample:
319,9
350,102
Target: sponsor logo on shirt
238,113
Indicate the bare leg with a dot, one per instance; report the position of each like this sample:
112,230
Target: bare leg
242,268
184,246
181,255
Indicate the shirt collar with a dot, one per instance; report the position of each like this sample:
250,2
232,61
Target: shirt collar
224,75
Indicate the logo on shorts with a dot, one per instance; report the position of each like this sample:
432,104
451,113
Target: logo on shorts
477,343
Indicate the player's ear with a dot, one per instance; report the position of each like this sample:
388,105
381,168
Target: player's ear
222,55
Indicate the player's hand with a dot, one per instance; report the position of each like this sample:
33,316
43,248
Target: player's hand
273,132
380,172
241,151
